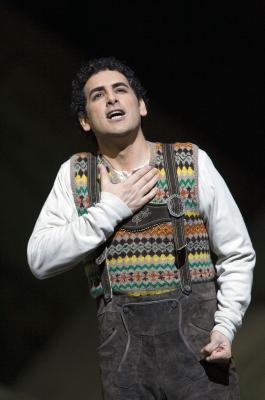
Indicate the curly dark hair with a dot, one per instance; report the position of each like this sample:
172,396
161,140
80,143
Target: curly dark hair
91,67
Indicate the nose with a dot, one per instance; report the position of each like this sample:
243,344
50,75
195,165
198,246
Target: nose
111,98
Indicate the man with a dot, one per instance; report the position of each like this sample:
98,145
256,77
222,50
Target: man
143,232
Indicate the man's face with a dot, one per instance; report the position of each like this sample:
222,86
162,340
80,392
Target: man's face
112,106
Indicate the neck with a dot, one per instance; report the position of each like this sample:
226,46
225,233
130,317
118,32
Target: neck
125,153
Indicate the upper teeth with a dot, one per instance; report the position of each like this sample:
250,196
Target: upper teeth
113,114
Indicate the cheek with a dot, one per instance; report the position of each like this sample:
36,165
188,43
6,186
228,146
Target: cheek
134,108
136,114
96,115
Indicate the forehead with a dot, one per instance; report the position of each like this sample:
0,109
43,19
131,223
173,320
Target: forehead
104,78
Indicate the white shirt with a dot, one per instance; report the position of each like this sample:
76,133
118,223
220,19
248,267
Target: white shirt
61,239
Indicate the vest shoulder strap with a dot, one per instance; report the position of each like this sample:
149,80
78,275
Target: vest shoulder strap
176,210
84,183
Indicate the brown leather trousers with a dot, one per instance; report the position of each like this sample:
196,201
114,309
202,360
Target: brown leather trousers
150,348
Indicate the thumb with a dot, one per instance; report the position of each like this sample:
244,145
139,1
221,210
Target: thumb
210,347
104,178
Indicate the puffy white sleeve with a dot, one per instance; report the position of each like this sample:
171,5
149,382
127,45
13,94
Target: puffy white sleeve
230,242
61,239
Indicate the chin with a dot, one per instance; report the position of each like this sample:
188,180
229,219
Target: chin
119,133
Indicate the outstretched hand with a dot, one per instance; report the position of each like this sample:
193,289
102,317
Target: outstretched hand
219,348
135,191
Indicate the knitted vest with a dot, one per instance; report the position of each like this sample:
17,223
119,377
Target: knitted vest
143,261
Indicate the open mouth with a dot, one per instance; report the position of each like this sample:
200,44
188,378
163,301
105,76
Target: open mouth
115,114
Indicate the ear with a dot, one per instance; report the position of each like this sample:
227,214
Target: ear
85,123
142,108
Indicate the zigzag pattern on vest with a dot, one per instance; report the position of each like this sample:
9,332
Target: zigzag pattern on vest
79,177
144,261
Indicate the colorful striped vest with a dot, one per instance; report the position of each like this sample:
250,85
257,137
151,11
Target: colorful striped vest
143,261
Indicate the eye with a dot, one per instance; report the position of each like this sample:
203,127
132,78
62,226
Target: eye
97,95
121,90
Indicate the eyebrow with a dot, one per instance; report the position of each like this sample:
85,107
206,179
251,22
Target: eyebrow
116,84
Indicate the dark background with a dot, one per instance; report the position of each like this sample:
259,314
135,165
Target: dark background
202,64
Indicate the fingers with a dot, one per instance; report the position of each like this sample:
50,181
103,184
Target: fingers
149,196
145,189
135,191
145,181
218,355
147,171
210,347
218,350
